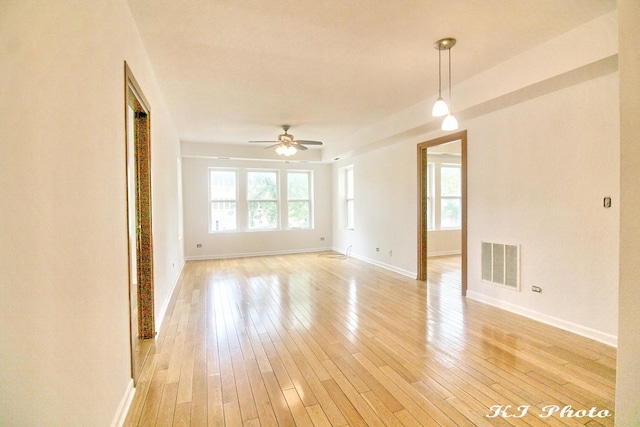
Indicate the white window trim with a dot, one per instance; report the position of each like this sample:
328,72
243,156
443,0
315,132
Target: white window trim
309,200
348,199
441,197
276,200
430,174
211,200
242,200
434,178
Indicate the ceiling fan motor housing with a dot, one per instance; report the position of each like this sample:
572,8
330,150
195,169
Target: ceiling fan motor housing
285,137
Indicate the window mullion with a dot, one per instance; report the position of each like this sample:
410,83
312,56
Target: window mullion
243,206
283,202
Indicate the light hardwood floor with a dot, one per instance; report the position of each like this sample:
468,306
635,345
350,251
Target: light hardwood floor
312,339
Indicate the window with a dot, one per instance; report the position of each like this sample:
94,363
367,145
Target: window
262,200
299,199
429,185
444,196
349,198
450,196
243,200
223,200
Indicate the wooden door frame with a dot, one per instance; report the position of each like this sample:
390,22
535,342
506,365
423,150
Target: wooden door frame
141,162
422,203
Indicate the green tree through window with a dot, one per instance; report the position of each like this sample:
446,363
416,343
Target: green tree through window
450,197
262,199
299,199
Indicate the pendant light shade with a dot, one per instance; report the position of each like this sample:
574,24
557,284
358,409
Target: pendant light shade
449,123
441,108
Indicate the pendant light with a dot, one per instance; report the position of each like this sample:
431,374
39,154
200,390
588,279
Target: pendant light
440,108
449,122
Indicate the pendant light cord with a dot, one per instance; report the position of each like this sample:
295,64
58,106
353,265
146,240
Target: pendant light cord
450,106
439,73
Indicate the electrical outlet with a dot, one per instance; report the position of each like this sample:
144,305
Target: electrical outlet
377,249
390,252
536,289
322,239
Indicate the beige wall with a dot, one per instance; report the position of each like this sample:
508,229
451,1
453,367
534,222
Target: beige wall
628,369
64,310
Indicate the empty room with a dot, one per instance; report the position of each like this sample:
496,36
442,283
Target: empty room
251,213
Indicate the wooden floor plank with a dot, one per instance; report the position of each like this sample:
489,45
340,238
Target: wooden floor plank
167,406
314,339
215,405
318,417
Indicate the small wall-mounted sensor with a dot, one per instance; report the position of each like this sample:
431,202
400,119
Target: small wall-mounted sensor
607,202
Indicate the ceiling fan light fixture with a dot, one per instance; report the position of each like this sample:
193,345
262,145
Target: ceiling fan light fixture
284,150
287,145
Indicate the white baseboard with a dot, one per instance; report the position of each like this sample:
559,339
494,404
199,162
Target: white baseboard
407,273
123,407
254,254
443,253
163,311
593,334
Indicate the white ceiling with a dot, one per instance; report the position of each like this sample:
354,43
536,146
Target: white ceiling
233,71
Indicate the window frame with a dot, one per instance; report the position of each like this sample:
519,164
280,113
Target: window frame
349,197
212,200
429,197
275,201
308,200
447,165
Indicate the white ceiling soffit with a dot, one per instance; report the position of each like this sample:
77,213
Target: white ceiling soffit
233,71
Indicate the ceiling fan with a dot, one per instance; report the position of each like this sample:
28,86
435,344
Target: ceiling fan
287,145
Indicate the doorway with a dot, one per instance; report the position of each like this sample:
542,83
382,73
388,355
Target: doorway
425,201
138,172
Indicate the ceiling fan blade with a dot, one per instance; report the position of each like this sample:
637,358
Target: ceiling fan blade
300,147
264,141
304,141
271,146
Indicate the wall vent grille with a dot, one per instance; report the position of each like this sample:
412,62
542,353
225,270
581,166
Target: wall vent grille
501,264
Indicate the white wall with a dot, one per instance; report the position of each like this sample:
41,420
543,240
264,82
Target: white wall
538,173
250,243
444,242
542,154
385,192
64,308
628,357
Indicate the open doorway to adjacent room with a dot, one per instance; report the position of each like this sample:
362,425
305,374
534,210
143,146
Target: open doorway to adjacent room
442,207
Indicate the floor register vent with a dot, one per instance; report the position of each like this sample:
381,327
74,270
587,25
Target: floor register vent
501,264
